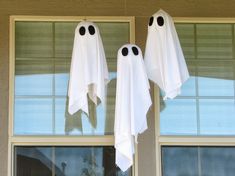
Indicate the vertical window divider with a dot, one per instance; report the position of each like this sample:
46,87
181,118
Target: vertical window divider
53,81
196,81
199,161
53,161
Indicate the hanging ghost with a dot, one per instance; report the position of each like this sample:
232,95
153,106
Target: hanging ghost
88,71
132,103
164,59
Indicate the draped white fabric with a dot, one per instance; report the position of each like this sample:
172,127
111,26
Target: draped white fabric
164,59
89,71
132,103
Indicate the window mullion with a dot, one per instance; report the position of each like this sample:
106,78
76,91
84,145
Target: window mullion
53,161
53,81
199,162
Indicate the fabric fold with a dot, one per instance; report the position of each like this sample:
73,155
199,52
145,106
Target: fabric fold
132,103
164,59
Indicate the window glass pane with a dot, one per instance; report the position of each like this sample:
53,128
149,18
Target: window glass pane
216,78
217,161
64,36
189,87
34,39
33,116
186,33
77,124
114,35
178,117
61,77
71,161
211,85
217,116
33,77
203,161
180,161
214,41
98,123
42,72
36,161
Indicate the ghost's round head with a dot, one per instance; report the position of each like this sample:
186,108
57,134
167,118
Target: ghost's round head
87,28
129,50
88,40
158,21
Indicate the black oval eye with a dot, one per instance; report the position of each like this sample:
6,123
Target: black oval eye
82,30
124,51
135,50
91,30
160,21
151,21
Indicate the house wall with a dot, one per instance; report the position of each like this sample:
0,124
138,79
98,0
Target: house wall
141,9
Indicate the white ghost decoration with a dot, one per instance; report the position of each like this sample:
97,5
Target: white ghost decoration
164,59
88,71
132,103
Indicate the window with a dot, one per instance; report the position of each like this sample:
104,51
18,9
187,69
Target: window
195,131
44,138
195,161
63,161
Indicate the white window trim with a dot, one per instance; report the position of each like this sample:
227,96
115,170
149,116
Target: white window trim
170,140
107,140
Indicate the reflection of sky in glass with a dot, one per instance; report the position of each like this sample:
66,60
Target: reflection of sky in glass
215,87
179,117
189,87
38,116
33,116
217,116
208,111
61,82
37,84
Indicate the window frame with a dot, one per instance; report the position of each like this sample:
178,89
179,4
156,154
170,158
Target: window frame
57,140
181,140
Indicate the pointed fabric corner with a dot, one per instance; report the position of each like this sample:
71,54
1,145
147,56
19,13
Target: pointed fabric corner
164,59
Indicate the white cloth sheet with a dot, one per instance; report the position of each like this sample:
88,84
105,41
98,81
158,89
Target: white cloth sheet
164,59
132,103
88,71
